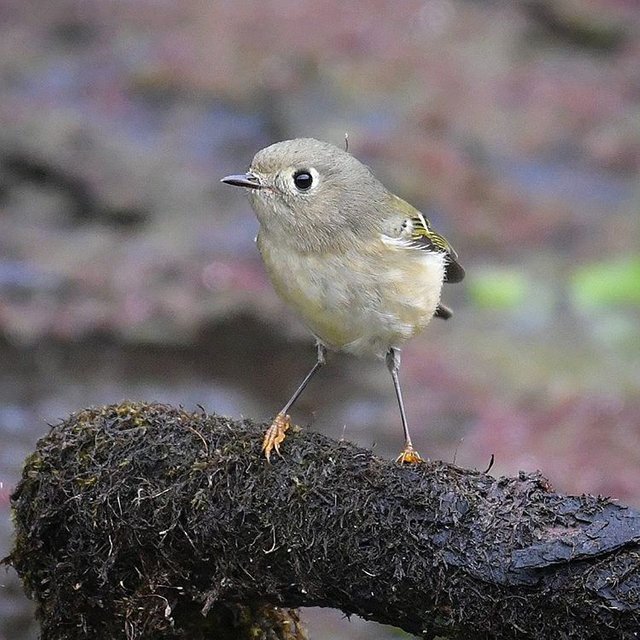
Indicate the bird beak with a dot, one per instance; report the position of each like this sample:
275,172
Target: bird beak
248,180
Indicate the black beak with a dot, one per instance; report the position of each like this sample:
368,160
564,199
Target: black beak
248,180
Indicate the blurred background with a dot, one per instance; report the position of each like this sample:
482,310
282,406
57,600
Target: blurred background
128,271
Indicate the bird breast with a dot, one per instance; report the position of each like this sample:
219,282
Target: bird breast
363,300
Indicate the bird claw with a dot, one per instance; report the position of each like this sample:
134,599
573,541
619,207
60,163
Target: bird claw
275,434
409,456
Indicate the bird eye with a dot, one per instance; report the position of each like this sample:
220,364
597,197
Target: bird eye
303,180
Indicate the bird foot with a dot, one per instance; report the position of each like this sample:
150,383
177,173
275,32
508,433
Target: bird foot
275,434
409,456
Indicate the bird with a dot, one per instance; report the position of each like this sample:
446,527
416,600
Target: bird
362,267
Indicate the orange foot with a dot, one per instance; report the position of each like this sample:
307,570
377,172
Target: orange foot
275,435
409,456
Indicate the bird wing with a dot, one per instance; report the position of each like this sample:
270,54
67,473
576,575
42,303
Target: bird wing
418,233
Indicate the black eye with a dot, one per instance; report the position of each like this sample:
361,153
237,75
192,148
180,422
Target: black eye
302,179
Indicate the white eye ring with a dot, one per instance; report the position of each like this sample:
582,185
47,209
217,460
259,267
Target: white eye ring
304,180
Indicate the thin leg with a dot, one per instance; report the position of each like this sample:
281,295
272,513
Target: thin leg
276,432
321,359
409,454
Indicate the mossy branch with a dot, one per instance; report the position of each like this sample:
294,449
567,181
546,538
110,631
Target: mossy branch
146,521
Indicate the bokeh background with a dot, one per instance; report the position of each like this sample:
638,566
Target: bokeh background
128,271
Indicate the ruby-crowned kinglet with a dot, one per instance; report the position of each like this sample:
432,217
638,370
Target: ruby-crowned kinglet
362,266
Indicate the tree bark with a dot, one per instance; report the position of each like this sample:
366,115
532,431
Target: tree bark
143,521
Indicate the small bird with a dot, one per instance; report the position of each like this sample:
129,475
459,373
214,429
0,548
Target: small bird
362,267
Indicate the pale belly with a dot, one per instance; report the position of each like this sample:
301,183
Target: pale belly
358,302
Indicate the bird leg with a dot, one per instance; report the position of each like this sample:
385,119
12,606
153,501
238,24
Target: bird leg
408,455
276,433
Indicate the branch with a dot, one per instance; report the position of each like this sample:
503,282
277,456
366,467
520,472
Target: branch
140,521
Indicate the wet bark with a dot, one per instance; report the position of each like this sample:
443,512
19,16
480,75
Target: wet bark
145,521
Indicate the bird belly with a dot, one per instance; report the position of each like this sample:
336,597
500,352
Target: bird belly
361,302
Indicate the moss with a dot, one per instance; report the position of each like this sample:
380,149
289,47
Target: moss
147,521
89,489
